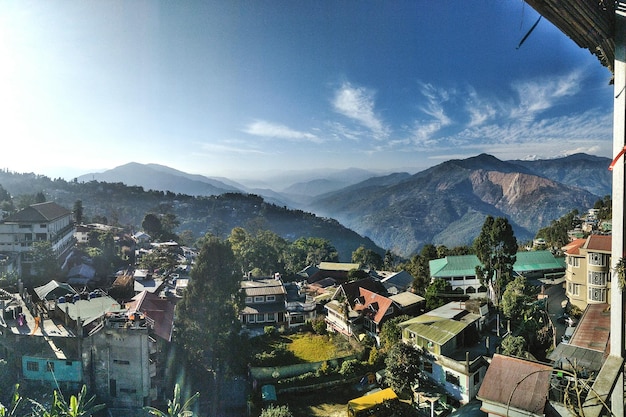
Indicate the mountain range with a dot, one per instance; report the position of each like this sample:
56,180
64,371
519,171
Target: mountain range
445,204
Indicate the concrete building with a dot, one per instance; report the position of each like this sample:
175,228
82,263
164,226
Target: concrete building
588,271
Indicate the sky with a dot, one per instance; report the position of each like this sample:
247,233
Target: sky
239,89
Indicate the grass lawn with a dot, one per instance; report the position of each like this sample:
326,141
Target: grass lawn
321,403
311,347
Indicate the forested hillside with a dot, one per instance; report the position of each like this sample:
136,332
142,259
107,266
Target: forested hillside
122,205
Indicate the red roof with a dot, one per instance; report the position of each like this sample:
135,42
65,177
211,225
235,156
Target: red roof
516,382
598,243
158,309
594,329
573,248
376,303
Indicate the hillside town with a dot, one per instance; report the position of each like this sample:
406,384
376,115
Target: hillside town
115,334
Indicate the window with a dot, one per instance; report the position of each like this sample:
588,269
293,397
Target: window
121,362
597,294
573,289
250,318
248,300
596,278
476,378
260,318
259,299
573,261
452,378
43,225
270,298
597,259
112,388
32,366
271,316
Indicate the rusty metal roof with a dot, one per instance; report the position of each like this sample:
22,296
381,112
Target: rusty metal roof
589,23
516,382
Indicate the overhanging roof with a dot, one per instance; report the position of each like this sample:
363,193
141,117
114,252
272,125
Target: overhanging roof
590,24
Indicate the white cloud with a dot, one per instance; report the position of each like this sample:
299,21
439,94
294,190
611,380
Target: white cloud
535,96
357,103
277,131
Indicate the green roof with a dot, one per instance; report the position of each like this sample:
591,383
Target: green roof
465,265
454,266
536,261
438,332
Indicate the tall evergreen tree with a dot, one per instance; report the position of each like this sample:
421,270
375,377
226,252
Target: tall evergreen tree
495,248
206,319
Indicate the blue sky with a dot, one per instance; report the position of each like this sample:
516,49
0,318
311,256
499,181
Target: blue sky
237,89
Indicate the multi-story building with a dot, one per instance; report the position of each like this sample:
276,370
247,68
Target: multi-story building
588,270
39,222
453,356
264,303
460,271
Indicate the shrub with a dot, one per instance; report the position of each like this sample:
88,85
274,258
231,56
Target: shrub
269,330
318,324
350,367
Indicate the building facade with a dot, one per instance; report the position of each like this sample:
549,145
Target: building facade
588,271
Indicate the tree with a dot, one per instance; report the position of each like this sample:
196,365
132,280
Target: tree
16,400
390,332
403,367
276,411
151,224
514,346
515,298
367,258
45,265
78,211
495,248
435,293
206,321
175,406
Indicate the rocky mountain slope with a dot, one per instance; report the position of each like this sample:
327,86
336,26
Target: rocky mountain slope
447,203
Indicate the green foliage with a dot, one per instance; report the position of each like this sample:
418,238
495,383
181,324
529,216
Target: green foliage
78,406
175,406
495,248
276,411
403,367
390,332
516,298
14,405
555,235
206,320
367,258
350,367
318,324
419,268
435,293
375,357
45,265
604,207
514,346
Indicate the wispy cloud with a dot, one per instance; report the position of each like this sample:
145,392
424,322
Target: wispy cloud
357,103
536,96
234,148
272,130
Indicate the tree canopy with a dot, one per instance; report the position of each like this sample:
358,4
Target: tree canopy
495,248
403,367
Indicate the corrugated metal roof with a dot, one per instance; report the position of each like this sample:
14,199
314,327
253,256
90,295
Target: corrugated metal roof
465,265
438,332
522,384
338,266
598,243
263,287
539,260
594,328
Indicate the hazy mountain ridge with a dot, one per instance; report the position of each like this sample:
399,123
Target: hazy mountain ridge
447,204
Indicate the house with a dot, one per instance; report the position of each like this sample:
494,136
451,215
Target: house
142,239
265,300
300,306
345,311
39,222
394,282
588,270
460,271
453,353
515,387
337,270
